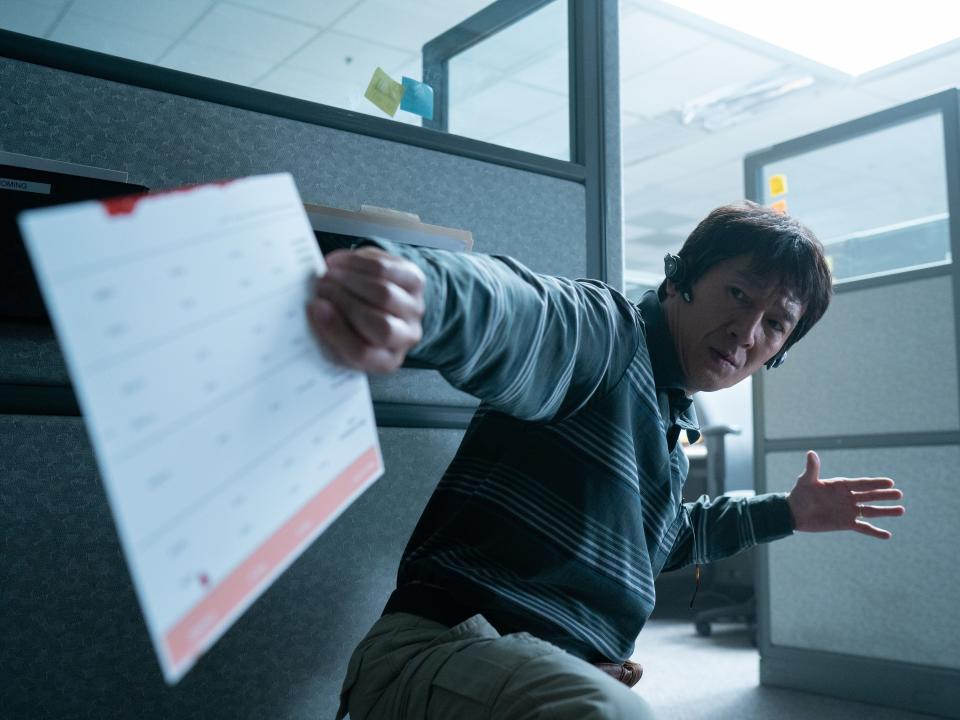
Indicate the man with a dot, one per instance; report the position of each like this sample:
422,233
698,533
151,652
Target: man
531,571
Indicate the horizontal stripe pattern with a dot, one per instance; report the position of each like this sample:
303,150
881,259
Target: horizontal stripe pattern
585,539
564,500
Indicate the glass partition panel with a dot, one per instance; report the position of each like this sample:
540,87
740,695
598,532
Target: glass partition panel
878,202
513,87
325,51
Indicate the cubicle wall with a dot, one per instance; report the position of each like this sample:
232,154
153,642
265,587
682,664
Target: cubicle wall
74,642
874,390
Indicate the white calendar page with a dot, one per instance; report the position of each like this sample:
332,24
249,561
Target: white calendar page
226,440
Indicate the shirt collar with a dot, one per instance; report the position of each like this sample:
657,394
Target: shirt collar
667,373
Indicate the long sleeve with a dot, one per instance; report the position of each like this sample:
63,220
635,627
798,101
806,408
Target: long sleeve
715,529
528,345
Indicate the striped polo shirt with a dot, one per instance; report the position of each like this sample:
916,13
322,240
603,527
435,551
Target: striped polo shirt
564,501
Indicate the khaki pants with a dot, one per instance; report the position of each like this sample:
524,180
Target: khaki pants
409,668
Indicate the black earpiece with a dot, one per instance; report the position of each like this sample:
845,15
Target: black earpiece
777,360
676,272
673,268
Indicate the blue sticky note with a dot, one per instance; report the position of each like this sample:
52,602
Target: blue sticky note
417,98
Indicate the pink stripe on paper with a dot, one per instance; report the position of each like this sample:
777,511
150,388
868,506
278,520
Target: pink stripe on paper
189,637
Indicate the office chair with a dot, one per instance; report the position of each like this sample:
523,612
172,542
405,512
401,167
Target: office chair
730,580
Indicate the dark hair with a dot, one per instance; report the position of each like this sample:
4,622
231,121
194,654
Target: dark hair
780,247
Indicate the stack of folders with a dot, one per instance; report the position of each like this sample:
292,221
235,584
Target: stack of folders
333,224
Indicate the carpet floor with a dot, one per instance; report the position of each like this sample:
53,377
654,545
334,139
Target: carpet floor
688,677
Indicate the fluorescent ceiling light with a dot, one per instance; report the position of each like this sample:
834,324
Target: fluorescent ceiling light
727,106
854,36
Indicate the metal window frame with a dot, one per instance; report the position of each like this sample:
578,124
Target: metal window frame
484,24
585,27
920,688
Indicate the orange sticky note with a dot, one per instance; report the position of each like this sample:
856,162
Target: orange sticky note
777,185
779,205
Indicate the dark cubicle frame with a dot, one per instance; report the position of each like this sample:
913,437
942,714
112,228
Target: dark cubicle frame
586,91
461,37
920,688
586,28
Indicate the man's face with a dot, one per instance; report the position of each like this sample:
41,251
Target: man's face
736,322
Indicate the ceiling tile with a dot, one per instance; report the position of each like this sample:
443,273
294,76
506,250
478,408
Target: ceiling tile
644,138
636,231
28,17
723,181
241,30
317,88
549,73
799,115
654,192
398,25
657,218
536,36
648,40
707,69
404,25
919,80
210,62
453,13
412,68
310,12
468,78
680,162
108,37
170,18
499,108
349,59
545,135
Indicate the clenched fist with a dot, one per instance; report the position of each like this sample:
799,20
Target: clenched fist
367,309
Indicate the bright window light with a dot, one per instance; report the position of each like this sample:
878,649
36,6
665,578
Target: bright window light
854,36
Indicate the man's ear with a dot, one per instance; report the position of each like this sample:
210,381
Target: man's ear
669,289
671,292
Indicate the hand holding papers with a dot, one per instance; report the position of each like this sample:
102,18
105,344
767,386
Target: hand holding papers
226,441
369,308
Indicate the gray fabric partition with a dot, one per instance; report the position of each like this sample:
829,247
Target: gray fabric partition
74,641
863,348
874,391
882,362
75,644
852,594
165,141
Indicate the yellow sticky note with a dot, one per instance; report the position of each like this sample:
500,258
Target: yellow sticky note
829,259
779,205
777,185
384,92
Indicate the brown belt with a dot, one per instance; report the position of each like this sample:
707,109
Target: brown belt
626,672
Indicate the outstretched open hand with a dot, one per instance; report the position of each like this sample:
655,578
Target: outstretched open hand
838,503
